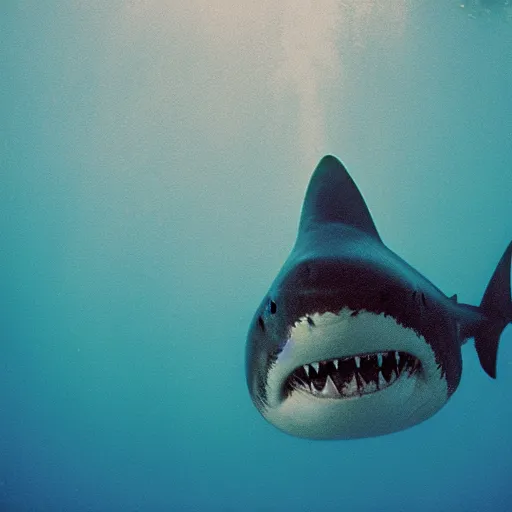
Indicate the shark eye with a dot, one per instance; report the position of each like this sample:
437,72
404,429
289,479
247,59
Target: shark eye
272,306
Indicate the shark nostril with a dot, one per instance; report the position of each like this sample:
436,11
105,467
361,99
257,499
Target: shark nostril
261,323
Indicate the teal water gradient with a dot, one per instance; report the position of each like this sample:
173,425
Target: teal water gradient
151,179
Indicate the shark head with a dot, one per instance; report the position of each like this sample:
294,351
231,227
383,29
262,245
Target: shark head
350,341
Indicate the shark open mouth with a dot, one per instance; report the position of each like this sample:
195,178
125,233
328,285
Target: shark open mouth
350,377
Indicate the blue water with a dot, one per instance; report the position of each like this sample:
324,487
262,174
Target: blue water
153,161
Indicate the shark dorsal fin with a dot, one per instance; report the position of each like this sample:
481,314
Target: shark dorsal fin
333,197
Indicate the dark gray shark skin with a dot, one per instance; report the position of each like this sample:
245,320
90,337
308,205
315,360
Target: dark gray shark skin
343,296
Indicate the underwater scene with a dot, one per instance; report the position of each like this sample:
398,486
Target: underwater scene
255,256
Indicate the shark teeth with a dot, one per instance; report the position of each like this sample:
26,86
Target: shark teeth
382,382
329,388
353,376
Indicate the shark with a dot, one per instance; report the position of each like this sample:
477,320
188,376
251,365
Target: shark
351,341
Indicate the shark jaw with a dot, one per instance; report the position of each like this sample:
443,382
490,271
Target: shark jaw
387,378
352,377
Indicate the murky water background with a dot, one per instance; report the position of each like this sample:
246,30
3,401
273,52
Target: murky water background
154,157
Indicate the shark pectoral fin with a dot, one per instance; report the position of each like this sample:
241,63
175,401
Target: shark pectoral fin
496,307
332,196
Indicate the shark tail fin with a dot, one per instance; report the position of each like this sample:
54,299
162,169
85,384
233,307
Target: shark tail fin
496,307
